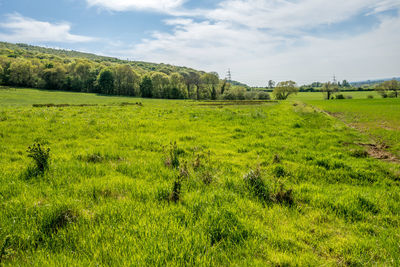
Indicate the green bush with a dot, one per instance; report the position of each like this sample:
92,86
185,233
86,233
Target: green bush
340,96
40,156
256,185
264,96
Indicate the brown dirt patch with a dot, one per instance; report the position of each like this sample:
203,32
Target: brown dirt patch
379,151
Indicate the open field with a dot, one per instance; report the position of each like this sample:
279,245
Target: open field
307,96
377,118
280,184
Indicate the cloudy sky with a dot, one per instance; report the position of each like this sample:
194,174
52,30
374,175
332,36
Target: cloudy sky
259,40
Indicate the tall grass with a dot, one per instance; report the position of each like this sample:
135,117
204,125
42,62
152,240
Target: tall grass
106,196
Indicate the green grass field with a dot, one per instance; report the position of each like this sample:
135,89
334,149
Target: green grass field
377,118
321,96
281,184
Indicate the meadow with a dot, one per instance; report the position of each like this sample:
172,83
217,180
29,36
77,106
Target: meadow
165,182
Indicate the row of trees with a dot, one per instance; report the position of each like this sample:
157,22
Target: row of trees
389,88
112,79
313,86
52,72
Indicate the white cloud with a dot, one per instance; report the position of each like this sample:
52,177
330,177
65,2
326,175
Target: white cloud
23,29
384,5
125,5
261,40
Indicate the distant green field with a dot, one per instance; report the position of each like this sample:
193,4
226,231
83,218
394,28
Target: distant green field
320,96
378,118
275,184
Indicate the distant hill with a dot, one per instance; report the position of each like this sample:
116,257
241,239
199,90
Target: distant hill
146,66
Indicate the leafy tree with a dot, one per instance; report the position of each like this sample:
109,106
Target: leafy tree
160,83
345,83
235,93
316,84
263,96
284,89
55,77
210,82
329,89
178,89
192,80
146,87
1,74
225,86
387,86
105,82
127,81
83,76
271,84
21,73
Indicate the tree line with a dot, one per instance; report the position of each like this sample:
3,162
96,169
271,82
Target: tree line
52,72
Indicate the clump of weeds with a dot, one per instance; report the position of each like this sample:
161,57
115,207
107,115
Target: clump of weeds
41,159
256,185
172,156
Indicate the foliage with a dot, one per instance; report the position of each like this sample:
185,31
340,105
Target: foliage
106,82
340,96
284,89
146,87
235,93
256,185
389,88
40,155
329,89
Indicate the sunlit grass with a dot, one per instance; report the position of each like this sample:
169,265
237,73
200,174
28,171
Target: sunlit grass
105,198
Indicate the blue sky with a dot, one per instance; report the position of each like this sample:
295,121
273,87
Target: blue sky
302,40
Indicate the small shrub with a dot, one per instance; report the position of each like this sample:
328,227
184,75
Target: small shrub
184,171
172,158
176,191
256,185
30,172
58,219
339,96
277,159
250,95
264,96
284,196
3,116
297,125
201,160
279,171
207,177
40,156
370,96
197,162
3,251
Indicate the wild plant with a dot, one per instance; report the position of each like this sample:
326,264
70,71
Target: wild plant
41,157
